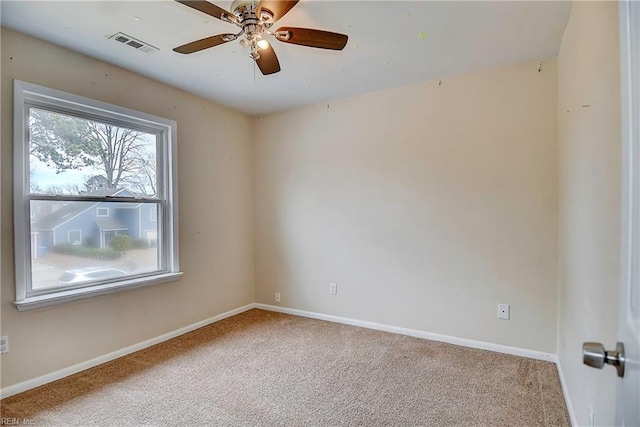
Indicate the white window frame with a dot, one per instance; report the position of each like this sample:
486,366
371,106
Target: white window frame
27,95
102,216
69,236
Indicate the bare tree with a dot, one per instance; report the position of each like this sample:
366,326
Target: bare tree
65,142
143,181
117,149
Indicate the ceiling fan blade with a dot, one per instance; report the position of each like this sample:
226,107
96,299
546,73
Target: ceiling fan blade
312,38
268,61
210,9
277,8
205,43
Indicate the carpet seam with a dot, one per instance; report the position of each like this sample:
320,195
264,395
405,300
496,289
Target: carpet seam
542,398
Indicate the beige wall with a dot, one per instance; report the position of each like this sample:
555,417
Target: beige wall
216,239
427,204
590,172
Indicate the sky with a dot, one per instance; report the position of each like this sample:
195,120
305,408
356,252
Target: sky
45,176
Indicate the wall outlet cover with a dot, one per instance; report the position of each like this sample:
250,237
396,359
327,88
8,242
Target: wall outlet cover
503,311
333,289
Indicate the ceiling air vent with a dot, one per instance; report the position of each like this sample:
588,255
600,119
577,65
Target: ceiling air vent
134,43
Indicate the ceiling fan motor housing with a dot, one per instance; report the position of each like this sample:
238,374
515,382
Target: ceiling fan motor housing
253,26
244,10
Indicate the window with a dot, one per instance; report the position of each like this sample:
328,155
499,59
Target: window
86,173
153,214
74,237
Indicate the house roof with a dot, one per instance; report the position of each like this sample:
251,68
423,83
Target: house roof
72,210
110,224
56,218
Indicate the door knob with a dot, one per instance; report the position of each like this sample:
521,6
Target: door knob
594,355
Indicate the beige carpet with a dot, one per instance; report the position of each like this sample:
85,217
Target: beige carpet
267,369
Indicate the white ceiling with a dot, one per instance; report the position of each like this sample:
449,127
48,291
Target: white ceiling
391,43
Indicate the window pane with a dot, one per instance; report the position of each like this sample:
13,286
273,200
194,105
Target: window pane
71,155
76,243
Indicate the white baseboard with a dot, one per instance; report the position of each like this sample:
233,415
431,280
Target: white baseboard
54,376
516,351
44,379
565,392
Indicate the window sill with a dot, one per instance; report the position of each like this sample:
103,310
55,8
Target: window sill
39,301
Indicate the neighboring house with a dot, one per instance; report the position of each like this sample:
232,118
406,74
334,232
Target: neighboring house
94,224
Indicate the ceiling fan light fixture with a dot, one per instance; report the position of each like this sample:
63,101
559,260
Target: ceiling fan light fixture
244,43
263,44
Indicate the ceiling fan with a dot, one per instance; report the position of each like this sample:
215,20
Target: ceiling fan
255,21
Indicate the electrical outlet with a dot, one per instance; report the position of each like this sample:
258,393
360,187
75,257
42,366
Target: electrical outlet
4,344
277,296
333,289
592,416
503,311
